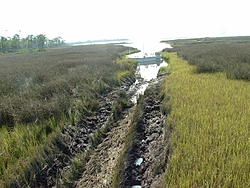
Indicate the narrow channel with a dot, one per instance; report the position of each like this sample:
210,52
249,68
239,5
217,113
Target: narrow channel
146,74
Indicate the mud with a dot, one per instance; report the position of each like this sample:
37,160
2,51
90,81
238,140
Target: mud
147,158
72,140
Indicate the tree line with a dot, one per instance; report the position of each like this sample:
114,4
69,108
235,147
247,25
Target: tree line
31,42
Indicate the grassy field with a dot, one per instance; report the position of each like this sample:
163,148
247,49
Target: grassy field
42,92
209,116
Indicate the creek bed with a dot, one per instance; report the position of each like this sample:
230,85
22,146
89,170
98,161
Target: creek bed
149,142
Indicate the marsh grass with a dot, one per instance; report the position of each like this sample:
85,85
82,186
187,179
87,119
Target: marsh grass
35,87
42,92
210,119
23,151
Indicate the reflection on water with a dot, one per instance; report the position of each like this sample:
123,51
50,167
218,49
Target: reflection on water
145,73
149,72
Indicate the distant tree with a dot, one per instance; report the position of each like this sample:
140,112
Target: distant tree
57,41
1,44
41,39
4,44
30,40
15,42
24,43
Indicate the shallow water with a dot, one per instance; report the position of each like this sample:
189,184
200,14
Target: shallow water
145,74
149,72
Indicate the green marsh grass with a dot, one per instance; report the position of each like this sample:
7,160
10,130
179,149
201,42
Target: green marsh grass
210,143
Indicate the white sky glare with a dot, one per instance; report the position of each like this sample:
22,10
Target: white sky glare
79,20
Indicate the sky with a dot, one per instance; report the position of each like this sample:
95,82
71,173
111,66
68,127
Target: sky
81,20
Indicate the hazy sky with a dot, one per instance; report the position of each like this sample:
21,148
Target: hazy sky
78,20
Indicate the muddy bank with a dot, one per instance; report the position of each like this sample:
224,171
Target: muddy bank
146,158
135,147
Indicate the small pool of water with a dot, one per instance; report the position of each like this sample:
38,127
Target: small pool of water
139,161
136,186
150,71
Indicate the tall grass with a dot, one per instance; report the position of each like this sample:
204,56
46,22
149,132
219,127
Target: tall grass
23,147
210,116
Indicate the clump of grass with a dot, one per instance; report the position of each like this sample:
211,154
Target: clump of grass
120,104
210,119
19,148
76,170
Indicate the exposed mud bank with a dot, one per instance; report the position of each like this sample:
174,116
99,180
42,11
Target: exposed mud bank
143,156
100,168
146,159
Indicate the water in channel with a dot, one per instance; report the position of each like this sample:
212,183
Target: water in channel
145,74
